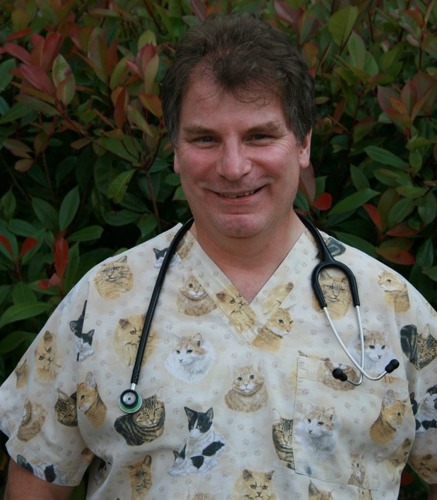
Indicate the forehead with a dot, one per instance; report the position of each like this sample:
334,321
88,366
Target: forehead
204,96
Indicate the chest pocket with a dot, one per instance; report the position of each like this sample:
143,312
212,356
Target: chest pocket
356,435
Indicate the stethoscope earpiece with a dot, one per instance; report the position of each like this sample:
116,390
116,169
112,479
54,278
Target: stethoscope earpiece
339,374
394,363
130,401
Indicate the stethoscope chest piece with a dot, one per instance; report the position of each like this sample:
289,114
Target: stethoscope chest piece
130,401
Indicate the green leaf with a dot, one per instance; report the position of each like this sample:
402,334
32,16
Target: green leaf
69,207
64,80
8,204
5,76
385,157
14,339
15,113
120,218
357,50
400,211
4,292
118,187
22,228
425,254
427,208
359,179
179,195
431,273
19,312
89,233
340,24
22,293
411,191
45,213
357,242
353,201
147,224
126,148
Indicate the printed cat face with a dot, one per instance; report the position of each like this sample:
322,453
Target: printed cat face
45,353
390,283
127,337
337,294
189,349
141,478
315,493
375,346
151,412
426,466
191,358
248,380
114,278
199,422
320,421
238,311
193,299
256,485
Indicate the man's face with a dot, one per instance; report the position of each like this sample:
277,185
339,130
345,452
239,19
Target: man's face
238,161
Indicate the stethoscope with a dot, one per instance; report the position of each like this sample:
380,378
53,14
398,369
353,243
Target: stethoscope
131,401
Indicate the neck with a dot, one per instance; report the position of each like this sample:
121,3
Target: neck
250,262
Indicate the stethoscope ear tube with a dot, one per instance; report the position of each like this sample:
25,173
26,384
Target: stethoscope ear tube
328,261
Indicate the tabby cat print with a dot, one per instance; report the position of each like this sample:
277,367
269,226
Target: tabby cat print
114,278
145,425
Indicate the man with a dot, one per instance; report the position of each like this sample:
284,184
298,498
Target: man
238,397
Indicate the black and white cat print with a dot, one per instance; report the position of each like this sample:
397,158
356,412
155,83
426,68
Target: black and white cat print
238,399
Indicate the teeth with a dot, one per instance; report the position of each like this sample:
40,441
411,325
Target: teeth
247,193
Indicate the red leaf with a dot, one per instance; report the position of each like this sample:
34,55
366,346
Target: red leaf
374,215
323,202
61,257
38,78
396,255
402,230
406,478
27,245
120,100
5,242
15,50
19,34
53,281
52,46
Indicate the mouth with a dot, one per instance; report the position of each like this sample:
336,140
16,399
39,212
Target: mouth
238,195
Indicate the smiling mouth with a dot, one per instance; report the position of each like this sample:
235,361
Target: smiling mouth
240,195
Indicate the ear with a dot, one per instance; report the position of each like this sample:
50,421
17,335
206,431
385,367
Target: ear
305,151
176,160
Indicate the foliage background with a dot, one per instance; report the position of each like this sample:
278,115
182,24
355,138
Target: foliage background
86,168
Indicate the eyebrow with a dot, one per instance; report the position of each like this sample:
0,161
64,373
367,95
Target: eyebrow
270,126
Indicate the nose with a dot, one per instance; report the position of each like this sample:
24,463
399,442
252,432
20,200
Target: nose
233,163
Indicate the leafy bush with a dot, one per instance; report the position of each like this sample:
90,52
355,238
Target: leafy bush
87,167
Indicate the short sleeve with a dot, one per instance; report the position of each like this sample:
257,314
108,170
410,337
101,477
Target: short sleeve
419,345
38,400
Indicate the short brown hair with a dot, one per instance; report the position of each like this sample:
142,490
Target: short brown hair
241,53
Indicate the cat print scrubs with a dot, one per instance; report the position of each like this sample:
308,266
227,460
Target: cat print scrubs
239,400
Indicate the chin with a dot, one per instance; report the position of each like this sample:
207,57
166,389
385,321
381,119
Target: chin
240,226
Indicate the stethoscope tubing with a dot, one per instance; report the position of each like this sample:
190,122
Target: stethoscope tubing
130,400
154,300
